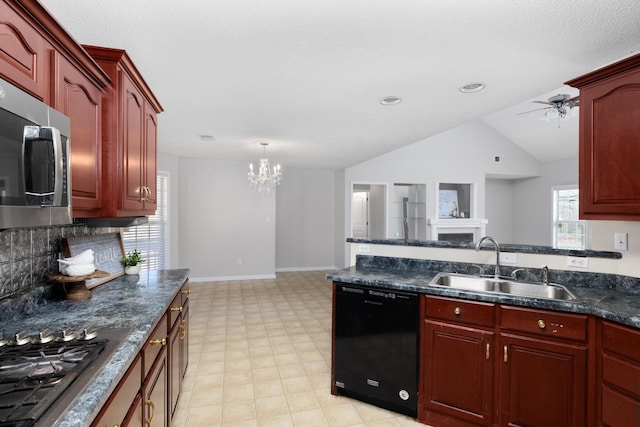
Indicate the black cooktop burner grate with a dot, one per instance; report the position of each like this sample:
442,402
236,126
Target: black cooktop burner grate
33,376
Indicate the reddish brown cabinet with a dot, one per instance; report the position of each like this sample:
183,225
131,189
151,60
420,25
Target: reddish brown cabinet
618,376
178,345
148,393
610,141
496,365
77,96
129,137
23,51
543,368
456,356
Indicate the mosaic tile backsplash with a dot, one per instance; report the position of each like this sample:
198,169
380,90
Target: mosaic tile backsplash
27,257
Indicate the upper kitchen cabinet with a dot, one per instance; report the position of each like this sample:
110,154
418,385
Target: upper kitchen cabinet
75,95
38,55
610,141
22,50
129,137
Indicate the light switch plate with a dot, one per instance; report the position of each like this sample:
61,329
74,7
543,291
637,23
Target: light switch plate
364,248
620,241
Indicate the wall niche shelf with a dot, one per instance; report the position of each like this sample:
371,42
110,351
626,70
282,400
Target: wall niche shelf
456,214
409,211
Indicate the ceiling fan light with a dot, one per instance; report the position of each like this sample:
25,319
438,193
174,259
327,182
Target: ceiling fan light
552,114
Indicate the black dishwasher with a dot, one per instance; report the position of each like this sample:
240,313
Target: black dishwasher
375,353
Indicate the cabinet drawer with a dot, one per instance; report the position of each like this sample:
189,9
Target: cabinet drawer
619,410
621,374
185,291
175,308
544,323
154,345
620,340
456,310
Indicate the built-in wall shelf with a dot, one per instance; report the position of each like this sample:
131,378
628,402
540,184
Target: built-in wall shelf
409,211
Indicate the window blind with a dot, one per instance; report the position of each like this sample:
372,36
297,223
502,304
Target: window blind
151,238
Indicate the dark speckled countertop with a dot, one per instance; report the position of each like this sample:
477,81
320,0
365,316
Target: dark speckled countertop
611,297
133,302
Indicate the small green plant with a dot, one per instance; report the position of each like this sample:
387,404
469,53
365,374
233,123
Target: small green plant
132,258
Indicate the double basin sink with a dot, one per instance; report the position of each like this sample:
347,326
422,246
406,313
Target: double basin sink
502,286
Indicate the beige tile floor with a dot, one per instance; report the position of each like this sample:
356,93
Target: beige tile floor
260,355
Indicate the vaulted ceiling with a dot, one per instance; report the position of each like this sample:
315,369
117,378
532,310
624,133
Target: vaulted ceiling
307,75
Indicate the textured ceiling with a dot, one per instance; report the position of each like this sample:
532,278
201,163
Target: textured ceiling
307,74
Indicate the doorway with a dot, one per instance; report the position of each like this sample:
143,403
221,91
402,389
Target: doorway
368,211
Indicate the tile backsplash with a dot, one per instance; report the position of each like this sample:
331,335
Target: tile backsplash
28,256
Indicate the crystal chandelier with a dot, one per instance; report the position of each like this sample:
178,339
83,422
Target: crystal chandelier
266,178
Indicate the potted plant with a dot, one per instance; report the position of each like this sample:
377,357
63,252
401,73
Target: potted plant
132,262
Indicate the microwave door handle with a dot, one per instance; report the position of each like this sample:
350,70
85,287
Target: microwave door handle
32,133
59,166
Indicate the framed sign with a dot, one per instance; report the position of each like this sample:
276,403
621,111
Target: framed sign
108,252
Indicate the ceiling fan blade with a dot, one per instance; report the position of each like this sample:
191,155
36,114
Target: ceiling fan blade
575,100
542,102
531,111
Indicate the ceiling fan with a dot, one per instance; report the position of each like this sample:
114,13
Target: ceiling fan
558,106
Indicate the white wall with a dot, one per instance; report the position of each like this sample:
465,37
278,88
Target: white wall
532,222
216,219
340,194
227,230
498,208
464,154
305,224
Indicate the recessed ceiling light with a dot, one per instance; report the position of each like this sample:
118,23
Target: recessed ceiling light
471,87
207,138
390,100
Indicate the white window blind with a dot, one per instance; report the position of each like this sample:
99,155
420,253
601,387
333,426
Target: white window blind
569,232
151,238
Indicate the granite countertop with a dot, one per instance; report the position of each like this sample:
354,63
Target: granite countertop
595,295
135,302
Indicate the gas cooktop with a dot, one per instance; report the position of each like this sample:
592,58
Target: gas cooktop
36,372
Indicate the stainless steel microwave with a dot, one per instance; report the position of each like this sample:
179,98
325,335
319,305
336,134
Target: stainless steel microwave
35,169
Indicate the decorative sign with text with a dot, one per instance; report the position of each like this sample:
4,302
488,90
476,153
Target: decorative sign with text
108,253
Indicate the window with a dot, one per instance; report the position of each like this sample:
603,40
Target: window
569,232
151,239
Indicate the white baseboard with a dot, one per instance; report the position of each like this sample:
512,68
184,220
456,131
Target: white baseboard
286,269
225,278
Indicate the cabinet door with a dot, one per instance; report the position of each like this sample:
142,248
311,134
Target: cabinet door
132,148
22,53
542,383
78,98
156,393
458,374
609,176
184,342
149,171
119,404
135,416
175,379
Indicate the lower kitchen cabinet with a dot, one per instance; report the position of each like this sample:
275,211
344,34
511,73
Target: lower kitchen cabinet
148,393
178,345
618,376
543,368
534,376
457,356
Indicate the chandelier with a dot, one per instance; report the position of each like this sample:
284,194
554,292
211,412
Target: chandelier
266,178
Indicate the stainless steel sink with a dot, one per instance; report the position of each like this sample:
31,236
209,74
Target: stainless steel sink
502,286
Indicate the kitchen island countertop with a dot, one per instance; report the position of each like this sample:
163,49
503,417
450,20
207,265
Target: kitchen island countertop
134,302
